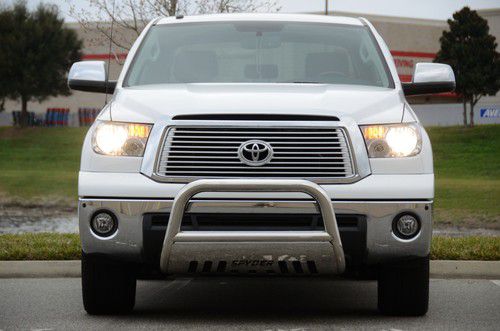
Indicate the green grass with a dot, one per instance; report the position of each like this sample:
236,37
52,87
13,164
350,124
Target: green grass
54,246
40,162
40,246
466,248
466,165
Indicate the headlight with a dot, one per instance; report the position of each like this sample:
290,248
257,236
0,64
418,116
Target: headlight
121,139
393,140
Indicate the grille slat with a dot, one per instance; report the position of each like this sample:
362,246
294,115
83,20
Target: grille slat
238,143
192,152
242,166
239,163
265,130
225,152
317,154
304,159
287,137
204,152
291,173
277,148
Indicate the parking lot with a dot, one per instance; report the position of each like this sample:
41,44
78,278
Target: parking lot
249,304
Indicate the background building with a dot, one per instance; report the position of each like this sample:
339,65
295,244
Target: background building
410,41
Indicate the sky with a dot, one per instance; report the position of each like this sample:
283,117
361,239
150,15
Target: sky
427,9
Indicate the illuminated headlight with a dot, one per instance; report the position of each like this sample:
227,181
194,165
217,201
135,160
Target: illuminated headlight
121,139
393,140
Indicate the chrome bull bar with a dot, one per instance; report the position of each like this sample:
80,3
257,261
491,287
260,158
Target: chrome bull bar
252,250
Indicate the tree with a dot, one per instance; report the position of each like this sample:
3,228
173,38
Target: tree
471,51
129,17
36,52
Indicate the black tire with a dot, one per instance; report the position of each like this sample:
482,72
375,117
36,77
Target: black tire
108,287
403,288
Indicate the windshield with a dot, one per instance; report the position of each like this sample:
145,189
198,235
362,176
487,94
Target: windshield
258,52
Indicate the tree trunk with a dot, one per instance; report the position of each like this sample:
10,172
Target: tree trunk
172,10
472,113
465,112
23,121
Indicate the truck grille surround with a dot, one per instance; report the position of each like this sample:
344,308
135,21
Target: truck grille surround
320,154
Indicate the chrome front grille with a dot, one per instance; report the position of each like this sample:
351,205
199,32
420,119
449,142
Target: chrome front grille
315,153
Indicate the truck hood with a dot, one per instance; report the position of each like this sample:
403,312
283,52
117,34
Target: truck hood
152,103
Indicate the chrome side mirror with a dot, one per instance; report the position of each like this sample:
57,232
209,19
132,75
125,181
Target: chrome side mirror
90,76
430,78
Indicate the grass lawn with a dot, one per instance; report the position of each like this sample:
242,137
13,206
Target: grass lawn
42,163
466,165
40,246
53,246
466,248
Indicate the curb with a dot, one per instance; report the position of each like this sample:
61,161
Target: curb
39,269
56,269
465,269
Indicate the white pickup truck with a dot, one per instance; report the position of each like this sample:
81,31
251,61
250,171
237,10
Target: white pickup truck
258,145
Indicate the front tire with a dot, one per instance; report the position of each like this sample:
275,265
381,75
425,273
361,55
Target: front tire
403,288
108,287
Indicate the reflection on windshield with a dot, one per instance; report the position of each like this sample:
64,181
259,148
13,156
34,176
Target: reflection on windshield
253,52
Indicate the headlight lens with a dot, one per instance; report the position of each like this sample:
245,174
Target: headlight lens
393,140
120,139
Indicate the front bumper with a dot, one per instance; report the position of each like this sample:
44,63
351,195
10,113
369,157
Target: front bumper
381,245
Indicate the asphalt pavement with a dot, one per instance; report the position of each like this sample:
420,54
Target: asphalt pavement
249,304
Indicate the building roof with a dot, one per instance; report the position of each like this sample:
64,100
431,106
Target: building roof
489,12
387,18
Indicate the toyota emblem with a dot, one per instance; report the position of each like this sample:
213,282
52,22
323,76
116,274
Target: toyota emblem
255,152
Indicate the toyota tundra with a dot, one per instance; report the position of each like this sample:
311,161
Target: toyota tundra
265,145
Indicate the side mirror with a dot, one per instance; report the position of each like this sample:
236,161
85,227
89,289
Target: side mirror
430,78
90,76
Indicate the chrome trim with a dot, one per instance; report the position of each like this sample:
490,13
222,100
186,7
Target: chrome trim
243,148
137,207
272,236
381,244
242,172
179,205
355,145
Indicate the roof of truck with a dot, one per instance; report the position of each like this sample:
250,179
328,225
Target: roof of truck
262,17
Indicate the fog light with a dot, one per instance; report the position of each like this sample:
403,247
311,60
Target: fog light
406,226
104,223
